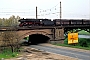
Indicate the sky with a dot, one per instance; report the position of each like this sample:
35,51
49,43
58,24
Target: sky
70,9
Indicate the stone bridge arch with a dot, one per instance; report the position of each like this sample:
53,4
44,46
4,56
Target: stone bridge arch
23,33
56,34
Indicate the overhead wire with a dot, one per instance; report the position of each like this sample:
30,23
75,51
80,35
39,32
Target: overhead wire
9,11
50,8
47,9
43,12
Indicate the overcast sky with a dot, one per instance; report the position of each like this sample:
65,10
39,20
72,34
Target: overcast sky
71,9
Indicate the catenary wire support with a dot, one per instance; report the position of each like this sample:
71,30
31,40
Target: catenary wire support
60,12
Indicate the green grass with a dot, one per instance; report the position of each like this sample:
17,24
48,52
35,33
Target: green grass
82,32
82,44
86,48
8,55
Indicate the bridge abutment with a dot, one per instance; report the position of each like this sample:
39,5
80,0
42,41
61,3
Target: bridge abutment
58,36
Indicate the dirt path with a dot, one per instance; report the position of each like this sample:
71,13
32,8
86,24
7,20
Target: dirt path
33,54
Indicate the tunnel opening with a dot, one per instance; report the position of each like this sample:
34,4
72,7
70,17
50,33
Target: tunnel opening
38,39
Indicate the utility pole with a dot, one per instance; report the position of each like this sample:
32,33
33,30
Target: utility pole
36,12
60,12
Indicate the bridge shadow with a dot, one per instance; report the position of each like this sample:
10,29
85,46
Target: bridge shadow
35,39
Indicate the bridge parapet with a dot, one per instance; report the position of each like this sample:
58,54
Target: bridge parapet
5,28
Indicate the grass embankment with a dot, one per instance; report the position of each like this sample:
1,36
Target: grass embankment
86,48
82,32
83,43
8,54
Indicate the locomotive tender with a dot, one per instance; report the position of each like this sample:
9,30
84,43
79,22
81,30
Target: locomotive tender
55,22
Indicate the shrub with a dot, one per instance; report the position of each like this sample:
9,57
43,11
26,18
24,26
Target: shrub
66,41
13,55
84,42
81,42
26,38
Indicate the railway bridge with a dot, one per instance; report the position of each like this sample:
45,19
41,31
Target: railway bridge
54,34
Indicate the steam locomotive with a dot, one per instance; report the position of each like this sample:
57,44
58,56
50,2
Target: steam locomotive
35,22
55,22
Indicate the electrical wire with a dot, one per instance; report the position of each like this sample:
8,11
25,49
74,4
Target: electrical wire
48,9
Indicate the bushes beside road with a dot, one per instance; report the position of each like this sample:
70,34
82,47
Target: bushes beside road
83,44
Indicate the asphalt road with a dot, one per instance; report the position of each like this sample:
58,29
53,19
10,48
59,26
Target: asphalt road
66,52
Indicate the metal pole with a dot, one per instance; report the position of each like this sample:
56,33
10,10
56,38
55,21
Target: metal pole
60,12
36,12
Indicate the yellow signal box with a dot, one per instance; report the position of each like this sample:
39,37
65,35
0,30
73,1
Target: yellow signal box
72,38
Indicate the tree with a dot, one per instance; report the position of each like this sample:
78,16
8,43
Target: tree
3,20
16,20
6,22
12,21
10,39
